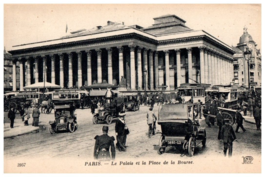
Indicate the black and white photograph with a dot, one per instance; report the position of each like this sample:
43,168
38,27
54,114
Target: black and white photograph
132,88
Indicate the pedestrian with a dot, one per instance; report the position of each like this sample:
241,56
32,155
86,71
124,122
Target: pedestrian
244,107
206,115
28,114
121,133
222,100
228,136
21,112
150,121
82,101
239,121
250,106
199,109
35,115
104,145
220,123
11,115
257,116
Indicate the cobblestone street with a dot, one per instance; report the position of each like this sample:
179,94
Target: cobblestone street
80,144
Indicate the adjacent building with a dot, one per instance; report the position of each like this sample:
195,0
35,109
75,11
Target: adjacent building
247,73
8,73
165,54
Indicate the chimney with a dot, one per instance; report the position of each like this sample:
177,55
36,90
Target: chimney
99,27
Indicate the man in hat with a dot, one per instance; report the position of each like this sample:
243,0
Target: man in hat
257,116
239,121
220,123
121,132
228,136
12,115
35,116
151,118
103,145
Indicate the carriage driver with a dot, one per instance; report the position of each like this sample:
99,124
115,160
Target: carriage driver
103,144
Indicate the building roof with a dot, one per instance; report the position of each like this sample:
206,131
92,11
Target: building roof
98,29
245,38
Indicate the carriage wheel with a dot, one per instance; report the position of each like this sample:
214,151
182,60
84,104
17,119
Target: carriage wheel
109,119
191,146
71,127
226,115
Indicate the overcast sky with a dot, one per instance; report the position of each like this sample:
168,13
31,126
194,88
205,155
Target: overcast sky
32,23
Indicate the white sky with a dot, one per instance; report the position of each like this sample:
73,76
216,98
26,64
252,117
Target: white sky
32,23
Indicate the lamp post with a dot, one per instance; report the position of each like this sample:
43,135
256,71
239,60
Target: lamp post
247,55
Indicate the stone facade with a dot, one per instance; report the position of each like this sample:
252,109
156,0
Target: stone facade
168,53
247,71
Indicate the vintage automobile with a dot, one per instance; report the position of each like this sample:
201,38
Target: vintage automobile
108,112
131,103
65,120
178,129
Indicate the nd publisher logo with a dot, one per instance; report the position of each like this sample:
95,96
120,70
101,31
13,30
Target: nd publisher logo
247,159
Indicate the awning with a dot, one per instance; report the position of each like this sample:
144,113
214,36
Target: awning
42,85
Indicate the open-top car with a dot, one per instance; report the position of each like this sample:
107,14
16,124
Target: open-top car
178,129
65,120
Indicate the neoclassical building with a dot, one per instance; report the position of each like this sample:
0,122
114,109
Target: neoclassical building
247,73
168,53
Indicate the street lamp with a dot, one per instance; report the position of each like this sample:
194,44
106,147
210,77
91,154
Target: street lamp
247,55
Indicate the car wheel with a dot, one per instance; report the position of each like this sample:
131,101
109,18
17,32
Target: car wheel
161,150
95,119
191,146
204,142
71,127
109,119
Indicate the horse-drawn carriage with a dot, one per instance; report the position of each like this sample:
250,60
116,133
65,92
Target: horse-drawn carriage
178,129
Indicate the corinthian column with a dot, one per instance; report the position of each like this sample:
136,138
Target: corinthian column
44,69
167,69
89,69
190,68
53,77
21,75
156,66
121,69
36,69
70,70
28,71
139,68
151,70
202,66
110,74
79,69
145,68
99,66
61,72
178,67
132,67
14,74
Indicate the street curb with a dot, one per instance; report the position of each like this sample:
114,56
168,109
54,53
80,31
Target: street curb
23,133
249,122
